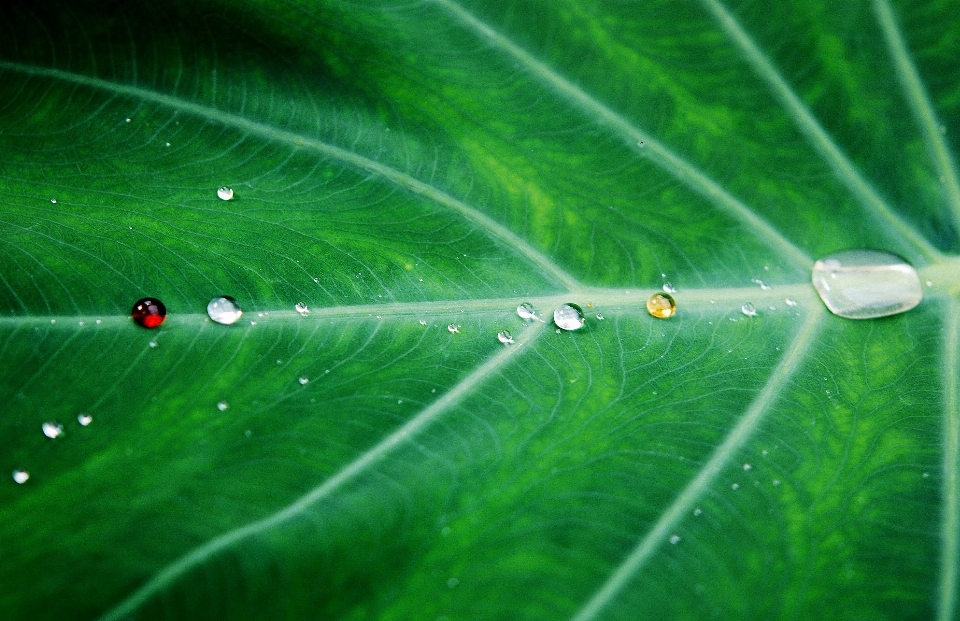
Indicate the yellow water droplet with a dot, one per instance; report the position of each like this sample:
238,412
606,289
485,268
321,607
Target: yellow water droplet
661,305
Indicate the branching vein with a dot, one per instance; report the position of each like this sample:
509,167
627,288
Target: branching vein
950,525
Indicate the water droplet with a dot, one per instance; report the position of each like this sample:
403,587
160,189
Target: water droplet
52,429
53,200
127,120
926,475
84,419
504,337
762,284
568,317
452,582
224,310
790,302
675,539
776,482
423,322
526,311
735,486
669,288
20,476
168,144
222,405
661,305
929,283
749,310
152,344
747,467
863,284
303,380
453,328
302,308
698,512
149,312
99,322
599,316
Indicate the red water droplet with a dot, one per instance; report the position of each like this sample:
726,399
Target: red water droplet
149,312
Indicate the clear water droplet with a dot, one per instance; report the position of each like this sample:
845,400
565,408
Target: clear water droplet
303,380
568,317
669,288
776,482
864,284
790,302
224,310
698,512
599,316
152,344
504,337
452,582
764,286
749,310
20,476
53,200
423,322
675,539
52,429
84,419
747,467
453,328
661,305
302,309
222,405
735,486
526,311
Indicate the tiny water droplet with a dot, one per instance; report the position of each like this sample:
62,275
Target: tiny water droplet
168,144
669,288
99,322
568,317
526,311
764,452
864,284
224,310
599,316
675,539
735,486
316,280
20,476
127,120
762,284
698,512
302,308
84,419
747,467
152,344
661,305
749,310
926,475
52,429
453,328
929,283
225,193
452,582
303,380
248,433
53,200
222,405
504,337
776,482
790,302
423,322
148,312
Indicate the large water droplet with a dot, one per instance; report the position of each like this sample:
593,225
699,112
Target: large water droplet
84,419
661,305
302,309
526,311
453,328
20,476
149,312
225,193
863,284
52,429
505,337
224,309
568,317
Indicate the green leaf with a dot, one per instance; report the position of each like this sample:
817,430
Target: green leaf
401,167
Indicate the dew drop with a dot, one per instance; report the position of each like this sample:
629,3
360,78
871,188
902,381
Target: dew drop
789,302
599,316
776,482
675,539
225,193
864,284
303,380
20,476
53,200
661,305
222,405
568,317
504,337
526,311
669,288
764,286
423,322
224,310
735,486
152,344
302,308
84,419
453,328
747,467
52,429
452,583
698,512
149,312
749,310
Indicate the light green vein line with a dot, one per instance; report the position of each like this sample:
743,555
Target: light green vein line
680,507
920,104
657,152
174,571
347,157
950,533
842,167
